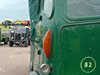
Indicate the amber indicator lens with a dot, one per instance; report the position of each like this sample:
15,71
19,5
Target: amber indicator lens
46,43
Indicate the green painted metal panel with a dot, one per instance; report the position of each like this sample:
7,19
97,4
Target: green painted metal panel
74,42
78,52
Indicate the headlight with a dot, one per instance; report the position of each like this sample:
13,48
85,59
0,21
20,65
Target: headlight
12,31
12,38
45,68
22,38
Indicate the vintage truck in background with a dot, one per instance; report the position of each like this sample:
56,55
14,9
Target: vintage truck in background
19,35
4,36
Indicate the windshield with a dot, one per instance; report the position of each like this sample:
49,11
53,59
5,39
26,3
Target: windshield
19,29
77,8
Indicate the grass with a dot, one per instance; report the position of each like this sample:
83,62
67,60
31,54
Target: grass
29,27
3,28
7,29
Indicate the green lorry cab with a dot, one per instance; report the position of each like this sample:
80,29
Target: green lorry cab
4,36
65,37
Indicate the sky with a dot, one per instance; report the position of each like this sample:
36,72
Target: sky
14,9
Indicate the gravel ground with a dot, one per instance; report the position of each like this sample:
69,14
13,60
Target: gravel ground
14,60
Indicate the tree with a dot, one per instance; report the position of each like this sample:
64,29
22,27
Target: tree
7,22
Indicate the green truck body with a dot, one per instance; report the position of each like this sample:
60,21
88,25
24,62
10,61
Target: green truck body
75,37
4,36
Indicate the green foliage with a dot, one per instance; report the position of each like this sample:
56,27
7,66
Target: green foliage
7,22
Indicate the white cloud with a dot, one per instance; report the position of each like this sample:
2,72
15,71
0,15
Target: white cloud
14,9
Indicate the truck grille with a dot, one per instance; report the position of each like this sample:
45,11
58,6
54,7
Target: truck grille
18,36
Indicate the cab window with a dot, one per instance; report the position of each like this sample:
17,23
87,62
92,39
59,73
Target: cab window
78,8
48,7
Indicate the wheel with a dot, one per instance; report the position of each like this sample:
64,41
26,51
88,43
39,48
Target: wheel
5,43
10,43
29,42
26,44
